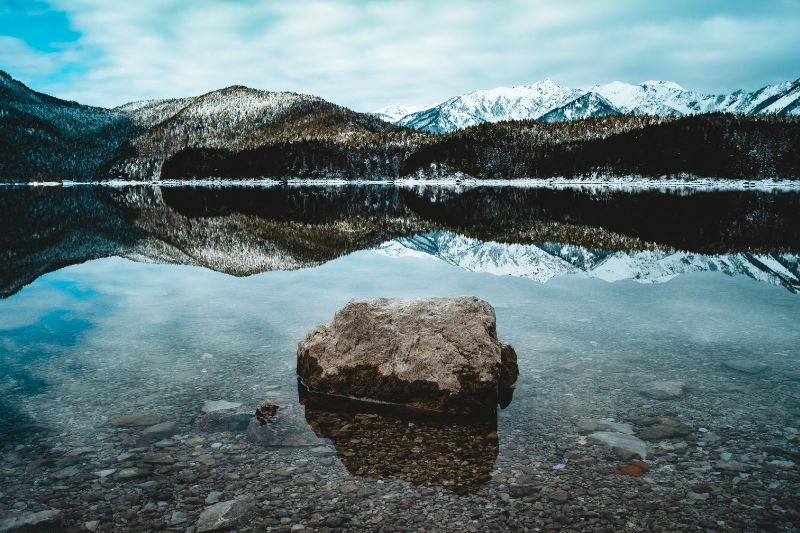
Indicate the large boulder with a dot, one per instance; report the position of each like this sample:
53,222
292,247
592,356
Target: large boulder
437,355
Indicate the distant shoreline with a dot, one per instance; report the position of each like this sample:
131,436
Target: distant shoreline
603,183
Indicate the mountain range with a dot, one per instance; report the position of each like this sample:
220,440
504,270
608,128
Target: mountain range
654,129
546,100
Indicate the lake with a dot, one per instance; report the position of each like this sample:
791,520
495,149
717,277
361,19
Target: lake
125,310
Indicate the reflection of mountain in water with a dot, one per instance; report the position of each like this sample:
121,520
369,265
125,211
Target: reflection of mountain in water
542,262
241,231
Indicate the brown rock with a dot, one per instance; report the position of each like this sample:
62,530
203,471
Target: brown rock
438,355
634,468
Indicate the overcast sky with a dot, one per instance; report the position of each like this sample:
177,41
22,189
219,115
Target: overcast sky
366,54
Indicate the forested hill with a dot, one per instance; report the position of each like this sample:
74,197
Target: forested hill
714,145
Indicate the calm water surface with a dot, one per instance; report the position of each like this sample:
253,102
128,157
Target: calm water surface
153,301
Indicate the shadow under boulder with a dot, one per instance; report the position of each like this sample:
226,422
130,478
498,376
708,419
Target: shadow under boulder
456,454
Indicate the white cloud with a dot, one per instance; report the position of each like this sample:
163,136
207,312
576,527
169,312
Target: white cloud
368,54
21,59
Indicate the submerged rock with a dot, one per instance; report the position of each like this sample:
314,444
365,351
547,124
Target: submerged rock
663,390
630,445
438,355
224,515
49,520
137,419
213,406
747,366
164,429
588,425
222,415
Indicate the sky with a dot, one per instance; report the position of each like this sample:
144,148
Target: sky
368,54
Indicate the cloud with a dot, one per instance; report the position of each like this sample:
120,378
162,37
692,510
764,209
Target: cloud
19,58
368,54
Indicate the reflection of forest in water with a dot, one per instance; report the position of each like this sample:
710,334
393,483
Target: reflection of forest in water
242,231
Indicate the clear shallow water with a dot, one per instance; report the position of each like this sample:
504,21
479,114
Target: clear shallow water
85,344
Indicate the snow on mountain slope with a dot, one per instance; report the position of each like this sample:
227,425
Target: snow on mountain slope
542,262
393,113
783,103
546,100
586,106
493,105
148,113
69,118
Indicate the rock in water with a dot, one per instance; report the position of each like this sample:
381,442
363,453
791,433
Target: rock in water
49,520
622,441
224,515
747,366
663,390
439,355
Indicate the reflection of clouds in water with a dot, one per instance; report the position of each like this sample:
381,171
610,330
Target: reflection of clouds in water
40,298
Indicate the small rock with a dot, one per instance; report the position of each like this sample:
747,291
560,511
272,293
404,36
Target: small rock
105,473
158,458
224,515
213,497
132,473
212,406
348,488
49,520
67,472
335,521
663,390
558,495
164,429
178,517
91,525
732,466
634,469
606,424
621,441
138,419
321,451
748,366
305,479
586,425
781,465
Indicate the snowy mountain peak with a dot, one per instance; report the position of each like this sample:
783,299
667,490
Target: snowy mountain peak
547,100
393,113
663,84
492,105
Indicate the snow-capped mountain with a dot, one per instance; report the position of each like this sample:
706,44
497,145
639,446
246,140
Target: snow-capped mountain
493,105
542,262
586,106
393,113
546,100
